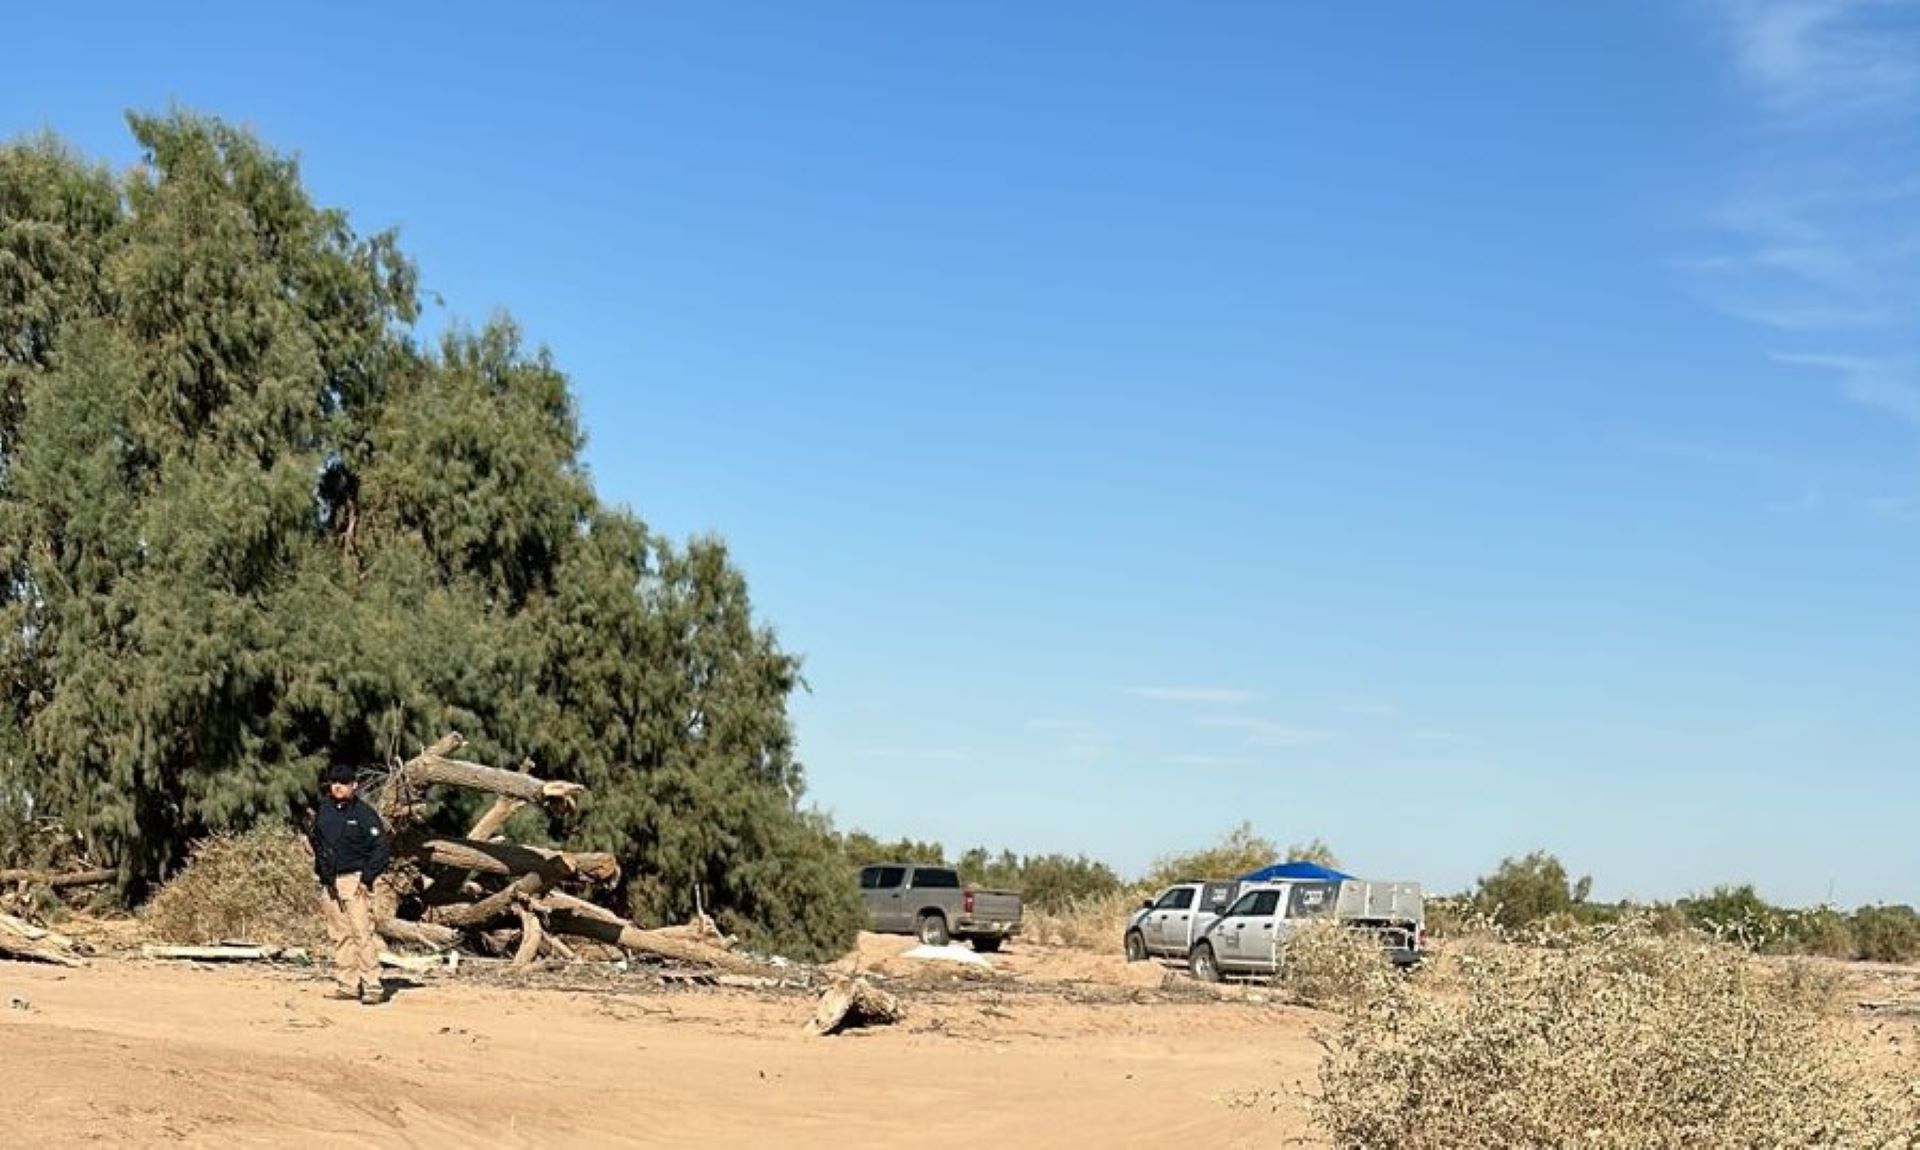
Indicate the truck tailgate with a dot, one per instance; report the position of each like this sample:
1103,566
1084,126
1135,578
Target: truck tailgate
996,906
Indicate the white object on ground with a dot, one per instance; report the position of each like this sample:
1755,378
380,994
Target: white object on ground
959,954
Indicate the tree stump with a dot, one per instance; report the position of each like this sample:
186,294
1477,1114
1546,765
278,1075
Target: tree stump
853,1004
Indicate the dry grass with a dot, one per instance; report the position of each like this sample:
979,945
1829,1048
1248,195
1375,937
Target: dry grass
256,886
1096,924
1617,1038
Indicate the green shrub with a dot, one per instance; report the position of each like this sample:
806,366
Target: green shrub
1046,882
1526,890
1822,931
1736,915
1886,933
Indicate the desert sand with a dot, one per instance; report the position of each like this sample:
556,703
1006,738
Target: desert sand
1052,1049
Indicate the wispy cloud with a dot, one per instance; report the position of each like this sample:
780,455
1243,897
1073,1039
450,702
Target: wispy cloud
1888,384
1813,59
1822,235
1818,240
1215,696
1264,732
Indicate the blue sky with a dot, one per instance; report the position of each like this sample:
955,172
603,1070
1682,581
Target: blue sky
1446,429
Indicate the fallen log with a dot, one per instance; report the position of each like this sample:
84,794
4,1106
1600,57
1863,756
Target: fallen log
569,915
432,766
853,1004
59,880
470,856
426,934
496,905
701,929
21,939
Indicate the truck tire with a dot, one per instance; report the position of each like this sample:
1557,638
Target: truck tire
932,930
988,943
1205,967
1136,946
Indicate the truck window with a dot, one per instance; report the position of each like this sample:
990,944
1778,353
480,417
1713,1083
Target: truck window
870,878
1218,894
1310,899
1180,898
1265,902
1244,904
935,878
885,877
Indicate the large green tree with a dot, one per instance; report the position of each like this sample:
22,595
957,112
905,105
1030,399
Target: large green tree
250,525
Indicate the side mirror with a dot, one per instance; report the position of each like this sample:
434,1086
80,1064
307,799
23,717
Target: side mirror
1146,904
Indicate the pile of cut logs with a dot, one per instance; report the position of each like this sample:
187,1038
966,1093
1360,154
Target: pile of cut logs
504,898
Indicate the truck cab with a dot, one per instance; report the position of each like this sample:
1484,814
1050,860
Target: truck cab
1167,925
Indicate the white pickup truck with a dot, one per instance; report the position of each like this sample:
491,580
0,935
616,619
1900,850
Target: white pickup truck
1249,938
1168,924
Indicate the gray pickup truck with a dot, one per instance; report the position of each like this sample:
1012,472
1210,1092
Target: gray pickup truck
931,903
1249,939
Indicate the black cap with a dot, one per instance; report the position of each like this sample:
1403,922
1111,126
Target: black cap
342,773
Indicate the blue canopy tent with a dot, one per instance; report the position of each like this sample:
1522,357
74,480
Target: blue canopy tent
1312,872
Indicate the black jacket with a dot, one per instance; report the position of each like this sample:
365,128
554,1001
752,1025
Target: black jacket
347,838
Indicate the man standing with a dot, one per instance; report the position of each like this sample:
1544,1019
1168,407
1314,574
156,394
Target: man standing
350,851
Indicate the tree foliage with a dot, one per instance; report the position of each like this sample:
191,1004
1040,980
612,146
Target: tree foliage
1238,852
1049,882
251,524
1314,850
1526,890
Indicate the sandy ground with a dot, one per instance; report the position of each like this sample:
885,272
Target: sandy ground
1050,1049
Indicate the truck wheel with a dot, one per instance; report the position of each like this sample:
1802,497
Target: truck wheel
988,943
1136,946
1205,968
933,930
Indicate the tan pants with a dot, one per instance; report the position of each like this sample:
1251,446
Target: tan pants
356,948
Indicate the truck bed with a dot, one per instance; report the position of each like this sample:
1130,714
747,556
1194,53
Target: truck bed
1360,899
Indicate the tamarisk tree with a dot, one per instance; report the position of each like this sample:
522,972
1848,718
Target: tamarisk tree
251,523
